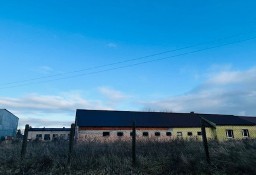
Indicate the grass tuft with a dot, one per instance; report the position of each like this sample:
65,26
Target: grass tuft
153,157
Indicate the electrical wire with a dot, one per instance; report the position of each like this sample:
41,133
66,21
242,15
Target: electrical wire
120,62
135,64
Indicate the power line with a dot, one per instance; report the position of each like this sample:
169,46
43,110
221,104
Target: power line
121,62
135,64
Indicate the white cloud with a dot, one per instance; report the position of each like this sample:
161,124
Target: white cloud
42,110
112,94
226,92
233,77
116,99
54,103
59,110
41,122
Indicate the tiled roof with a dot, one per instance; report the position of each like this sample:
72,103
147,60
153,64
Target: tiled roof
104,118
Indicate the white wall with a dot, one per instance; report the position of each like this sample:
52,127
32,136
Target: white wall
32,134
98,134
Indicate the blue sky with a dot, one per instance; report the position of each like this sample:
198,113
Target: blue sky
40,39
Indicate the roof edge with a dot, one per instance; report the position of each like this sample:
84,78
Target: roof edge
10,112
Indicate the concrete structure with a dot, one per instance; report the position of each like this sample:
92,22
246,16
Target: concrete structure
111,125
48,134
8,124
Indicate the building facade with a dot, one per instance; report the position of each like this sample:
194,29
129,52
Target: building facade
8,124
48,134
111,125
228,127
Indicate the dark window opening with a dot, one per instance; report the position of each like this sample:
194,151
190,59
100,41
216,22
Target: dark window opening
120,134
106,134
145,134
39,136
190,133
131,134
157,134
168,134
229,133
47,137
245,133
199,133
55,136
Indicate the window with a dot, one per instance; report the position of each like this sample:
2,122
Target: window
47,137
62,136
199,133
229,133
245,132
39,136
106,134
120,134
145,134
179,134
131,134
55,135
168,134
190,133
157,134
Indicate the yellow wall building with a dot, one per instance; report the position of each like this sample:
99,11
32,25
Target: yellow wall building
235,132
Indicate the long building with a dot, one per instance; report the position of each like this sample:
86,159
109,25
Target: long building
109,125
8,124
48,134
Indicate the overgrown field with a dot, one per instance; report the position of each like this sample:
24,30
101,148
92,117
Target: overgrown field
172,157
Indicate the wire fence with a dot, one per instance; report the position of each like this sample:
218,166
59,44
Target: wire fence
231,150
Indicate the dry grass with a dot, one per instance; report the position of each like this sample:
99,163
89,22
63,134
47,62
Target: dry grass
172,157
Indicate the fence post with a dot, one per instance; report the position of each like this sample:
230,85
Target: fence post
71,142
24,143
205,141
133,144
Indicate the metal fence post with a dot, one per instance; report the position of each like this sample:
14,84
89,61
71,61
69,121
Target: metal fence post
24,143
71,143
205,141
133,144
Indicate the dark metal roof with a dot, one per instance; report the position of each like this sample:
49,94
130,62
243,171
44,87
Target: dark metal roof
104,118
49,129
99,118
226,119
250,119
